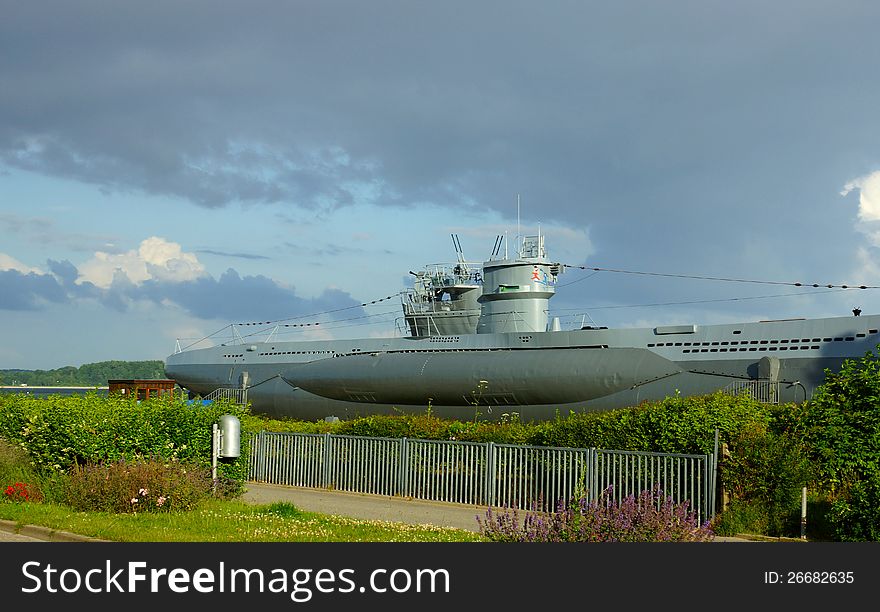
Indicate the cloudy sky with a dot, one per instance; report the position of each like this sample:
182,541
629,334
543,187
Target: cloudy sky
169,168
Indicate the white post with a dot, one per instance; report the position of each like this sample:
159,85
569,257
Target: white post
804,513
215,452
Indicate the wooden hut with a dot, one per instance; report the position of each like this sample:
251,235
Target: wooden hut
142,389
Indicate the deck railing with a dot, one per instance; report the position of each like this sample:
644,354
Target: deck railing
766,391
239,396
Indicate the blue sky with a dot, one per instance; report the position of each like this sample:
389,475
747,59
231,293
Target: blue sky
171,168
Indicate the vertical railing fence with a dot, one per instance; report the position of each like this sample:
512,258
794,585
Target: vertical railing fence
482,474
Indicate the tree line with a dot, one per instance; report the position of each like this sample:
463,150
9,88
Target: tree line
87,375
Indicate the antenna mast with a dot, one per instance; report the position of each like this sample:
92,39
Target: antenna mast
518,233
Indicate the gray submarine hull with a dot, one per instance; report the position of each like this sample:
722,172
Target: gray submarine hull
516,377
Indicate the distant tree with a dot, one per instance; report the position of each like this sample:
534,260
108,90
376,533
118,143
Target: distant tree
87,375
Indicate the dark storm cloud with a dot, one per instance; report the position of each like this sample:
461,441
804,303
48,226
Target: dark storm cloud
238,299
65,271
668,128
230,297
66,274
19,291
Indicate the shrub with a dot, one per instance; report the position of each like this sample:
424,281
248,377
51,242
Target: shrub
140,486
649,517
60,432
742,517
768,471
841,423
855,515
673,425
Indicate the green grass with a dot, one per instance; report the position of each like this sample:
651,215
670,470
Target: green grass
213,520
226,521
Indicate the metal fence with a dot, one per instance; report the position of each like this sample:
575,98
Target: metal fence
482,474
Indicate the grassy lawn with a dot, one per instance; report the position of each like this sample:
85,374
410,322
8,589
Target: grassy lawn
212,520
226,521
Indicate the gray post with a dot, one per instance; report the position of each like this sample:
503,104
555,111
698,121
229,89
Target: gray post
262,459
325,473
403,468
490,473
707,506
594,473
714,476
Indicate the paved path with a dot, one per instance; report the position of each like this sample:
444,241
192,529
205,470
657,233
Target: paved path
370,507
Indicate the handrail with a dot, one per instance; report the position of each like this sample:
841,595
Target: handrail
239,396
766,391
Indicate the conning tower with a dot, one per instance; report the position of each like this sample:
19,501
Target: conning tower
516,292
443,301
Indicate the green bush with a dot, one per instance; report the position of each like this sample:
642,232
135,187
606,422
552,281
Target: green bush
841,423
673,425
742,517
855,515
59,433
14,465
769,470
140,486
840,427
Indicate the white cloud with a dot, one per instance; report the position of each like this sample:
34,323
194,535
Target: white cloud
869,195
155,259
869,205
10,263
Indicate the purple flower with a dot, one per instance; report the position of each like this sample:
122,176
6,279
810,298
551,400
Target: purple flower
649,517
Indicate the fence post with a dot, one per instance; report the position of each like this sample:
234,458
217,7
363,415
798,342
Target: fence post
490,473
706,501
593,467
257,456
714,476
403,468
325,473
